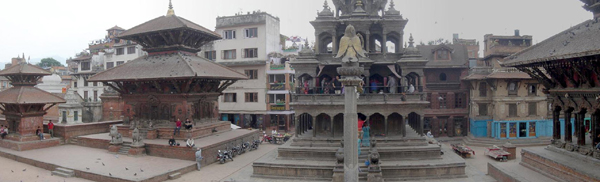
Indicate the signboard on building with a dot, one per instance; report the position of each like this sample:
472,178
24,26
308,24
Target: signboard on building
277,107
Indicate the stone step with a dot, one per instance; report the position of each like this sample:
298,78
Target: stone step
174,176
65,170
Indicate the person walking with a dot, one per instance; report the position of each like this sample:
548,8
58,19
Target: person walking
51,129
177,127
199,158
392,84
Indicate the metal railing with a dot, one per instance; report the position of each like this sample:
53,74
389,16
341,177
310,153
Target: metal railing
366,90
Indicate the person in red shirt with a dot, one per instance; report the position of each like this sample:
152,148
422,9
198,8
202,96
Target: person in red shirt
360,126
51,129
177,127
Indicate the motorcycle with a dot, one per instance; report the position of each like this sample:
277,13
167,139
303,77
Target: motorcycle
222,156
235,150
245,146
254,145
267,138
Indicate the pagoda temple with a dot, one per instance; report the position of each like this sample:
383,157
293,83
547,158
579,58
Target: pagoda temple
25,106
171,82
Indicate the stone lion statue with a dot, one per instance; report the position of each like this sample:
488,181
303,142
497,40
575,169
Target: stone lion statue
137,138
116,137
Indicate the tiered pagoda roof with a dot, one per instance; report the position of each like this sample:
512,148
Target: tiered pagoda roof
24,76
172,43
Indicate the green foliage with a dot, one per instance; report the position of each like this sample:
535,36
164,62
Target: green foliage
48,62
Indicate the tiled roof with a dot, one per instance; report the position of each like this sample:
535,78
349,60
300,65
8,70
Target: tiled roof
577,41
115,28
459,55
168,66
25,69
509,75
166,23
28,95
475,77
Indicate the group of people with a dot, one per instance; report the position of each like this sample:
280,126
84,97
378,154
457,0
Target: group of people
335,86
188,126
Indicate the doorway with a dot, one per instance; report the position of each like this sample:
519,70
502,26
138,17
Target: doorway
522,129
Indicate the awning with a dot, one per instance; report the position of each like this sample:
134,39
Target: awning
320,70
393,69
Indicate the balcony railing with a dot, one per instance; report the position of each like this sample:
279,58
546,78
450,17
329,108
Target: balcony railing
277,66
277,107
381,97
277,86
366,90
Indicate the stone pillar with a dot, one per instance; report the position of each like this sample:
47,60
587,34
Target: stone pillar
314,126
568,129
403,126
556,126
297,125
384,43
335,44
581,127
385,122
331,127
595,128
368,41
316,46
421,125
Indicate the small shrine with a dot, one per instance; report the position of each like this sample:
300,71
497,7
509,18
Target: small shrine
72,111
24,106
171,82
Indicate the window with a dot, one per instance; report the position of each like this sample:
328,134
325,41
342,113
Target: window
229,97
532,108
85,95
512,88
95,84
85,66
75,84
483,109
85,83
459,100
210,55
277,98
442,99
110,65
251,32
251,53
251,97
95,95
482,89
443,77
279,78
120,62
442,55
228,54
512,110
531,90
75,115
120,51
229,34
130,50
252,74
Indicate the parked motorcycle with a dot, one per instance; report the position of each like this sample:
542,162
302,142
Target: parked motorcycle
245,147
267,138
235,150
222,156
254,145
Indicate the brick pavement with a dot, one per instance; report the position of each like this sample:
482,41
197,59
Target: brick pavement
31,173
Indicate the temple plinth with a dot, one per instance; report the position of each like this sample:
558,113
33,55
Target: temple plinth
171,82
25,106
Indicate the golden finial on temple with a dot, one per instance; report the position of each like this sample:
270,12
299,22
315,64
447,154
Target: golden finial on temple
170,12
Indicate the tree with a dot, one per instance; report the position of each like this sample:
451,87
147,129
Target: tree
48,62
438,41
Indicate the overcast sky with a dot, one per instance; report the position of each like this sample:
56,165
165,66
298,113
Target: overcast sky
59,29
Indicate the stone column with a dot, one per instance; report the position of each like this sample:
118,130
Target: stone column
594,128
331,127
368,41
384,43
556,126
297,125
568,129
314,126
350,72
581,127
403,126
335,44
385,122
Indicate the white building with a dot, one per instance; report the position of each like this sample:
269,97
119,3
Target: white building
52,83
247,41
72,111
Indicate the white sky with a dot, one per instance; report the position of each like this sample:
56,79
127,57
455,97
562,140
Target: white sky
59,29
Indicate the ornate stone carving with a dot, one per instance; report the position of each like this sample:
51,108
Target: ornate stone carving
116,137
350,46
137,138
340,155
374,157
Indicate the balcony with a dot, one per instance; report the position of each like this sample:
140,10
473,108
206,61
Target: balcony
277,86
277,66
364,99
443,85
329,57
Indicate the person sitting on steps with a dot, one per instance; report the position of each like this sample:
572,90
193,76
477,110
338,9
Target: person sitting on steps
39,133
172,141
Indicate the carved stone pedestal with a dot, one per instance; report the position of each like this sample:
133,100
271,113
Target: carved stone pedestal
114,148
374,174
338,174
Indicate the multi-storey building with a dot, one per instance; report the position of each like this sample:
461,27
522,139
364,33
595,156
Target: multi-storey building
247,44
472,48
505,102
447,114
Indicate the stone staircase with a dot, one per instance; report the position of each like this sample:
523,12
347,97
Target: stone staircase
486,142
364,170
73,141
63,172
124,150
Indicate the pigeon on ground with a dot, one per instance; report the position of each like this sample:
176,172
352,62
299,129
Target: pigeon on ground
141,170
109,174
135,174
126,169
87,168
24,169
12,171
38,176
103,164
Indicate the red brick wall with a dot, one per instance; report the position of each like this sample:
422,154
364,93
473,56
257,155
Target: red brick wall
551,167
499,175
22,146
112,108
69,131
